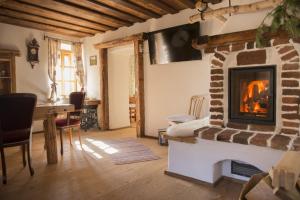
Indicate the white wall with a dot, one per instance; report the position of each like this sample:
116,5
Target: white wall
168,87
28,80
118,84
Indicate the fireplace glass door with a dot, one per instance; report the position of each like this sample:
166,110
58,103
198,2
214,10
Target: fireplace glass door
252,95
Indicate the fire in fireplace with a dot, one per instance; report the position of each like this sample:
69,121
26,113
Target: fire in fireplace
252,95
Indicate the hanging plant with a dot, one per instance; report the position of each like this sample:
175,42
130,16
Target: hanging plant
286,17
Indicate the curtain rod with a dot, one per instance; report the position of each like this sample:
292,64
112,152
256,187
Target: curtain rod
46,36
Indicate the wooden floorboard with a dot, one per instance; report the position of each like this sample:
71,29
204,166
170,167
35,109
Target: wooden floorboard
80,175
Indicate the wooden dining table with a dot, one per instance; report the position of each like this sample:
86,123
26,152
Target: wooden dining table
48,112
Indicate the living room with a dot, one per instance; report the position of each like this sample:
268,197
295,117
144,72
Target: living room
137,65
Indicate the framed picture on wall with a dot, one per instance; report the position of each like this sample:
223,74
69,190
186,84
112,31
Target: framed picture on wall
93,60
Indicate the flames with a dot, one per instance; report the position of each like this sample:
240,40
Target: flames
254,96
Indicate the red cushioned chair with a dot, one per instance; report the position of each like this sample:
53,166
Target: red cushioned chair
15,125
73,118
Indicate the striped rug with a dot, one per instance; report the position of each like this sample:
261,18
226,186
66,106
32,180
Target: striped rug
129,150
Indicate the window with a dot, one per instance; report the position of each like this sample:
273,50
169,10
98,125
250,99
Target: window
66,72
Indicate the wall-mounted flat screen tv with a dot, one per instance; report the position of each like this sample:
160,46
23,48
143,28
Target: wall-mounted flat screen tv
174,44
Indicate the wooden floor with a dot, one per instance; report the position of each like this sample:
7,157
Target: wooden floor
82,175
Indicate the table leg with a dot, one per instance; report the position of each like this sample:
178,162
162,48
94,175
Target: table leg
50,139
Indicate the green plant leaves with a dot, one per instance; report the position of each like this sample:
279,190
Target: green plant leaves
285,16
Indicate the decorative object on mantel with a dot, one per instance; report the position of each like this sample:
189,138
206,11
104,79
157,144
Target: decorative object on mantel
284,17
33,52
239,9
93,60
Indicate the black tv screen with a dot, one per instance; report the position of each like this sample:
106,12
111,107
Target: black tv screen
174,44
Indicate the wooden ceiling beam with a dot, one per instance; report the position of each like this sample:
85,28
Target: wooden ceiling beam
119,42
110,22
2,1
180,4
156,6
38,19
99,7
43,27
130,8
187,3
13,5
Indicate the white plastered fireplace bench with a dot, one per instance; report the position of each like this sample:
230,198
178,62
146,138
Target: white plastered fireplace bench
207,157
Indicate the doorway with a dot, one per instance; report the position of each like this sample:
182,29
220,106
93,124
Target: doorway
104,48
121,90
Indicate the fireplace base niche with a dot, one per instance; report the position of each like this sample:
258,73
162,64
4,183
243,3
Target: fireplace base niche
252,95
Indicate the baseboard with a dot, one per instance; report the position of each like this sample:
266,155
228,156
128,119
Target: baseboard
150,137
197,181
115,129
190,179
234,179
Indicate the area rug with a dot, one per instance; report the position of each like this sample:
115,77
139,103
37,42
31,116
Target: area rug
129,150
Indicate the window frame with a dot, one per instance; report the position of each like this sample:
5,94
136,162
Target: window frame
62,80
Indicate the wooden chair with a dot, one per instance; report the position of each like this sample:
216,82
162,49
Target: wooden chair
196,105
195,108
15,125
132,108
73,119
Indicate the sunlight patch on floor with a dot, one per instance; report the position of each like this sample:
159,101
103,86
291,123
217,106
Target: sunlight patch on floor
103,146
85,148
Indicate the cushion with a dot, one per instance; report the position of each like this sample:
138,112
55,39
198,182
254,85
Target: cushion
187,128
180,118
63,122
16,136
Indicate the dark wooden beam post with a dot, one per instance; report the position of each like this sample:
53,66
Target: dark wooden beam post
104,106
139,84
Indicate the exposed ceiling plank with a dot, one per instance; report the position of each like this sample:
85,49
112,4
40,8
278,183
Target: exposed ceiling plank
186,3
2,1
131,8
155,6
106,10
78,12
52,15
37,19
174,4
43,27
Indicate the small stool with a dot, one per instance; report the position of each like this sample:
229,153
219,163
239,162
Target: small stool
162,140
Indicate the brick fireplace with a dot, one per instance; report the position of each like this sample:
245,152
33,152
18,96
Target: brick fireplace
267,89
272,117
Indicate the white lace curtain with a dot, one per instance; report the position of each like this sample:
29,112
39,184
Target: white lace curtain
77,51
53,62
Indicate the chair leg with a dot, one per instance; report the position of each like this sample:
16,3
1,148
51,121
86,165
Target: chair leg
70,136
61,142
79,136
4,178
23,155
29,160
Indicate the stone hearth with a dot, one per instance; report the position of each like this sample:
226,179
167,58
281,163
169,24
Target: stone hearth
262,139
